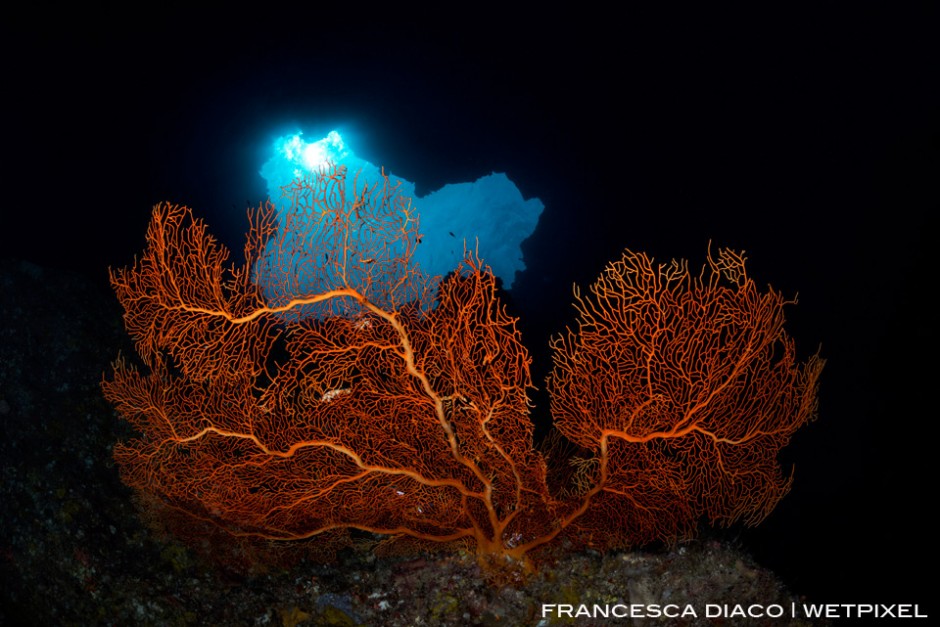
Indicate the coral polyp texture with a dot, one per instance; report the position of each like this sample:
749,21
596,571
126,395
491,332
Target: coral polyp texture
398,419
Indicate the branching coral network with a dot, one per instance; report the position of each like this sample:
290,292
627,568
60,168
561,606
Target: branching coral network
371,411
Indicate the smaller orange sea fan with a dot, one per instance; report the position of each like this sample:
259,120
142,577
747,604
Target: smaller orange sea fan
683,389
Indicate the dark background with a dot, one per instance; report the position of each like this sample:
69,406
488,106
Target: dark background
807,136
